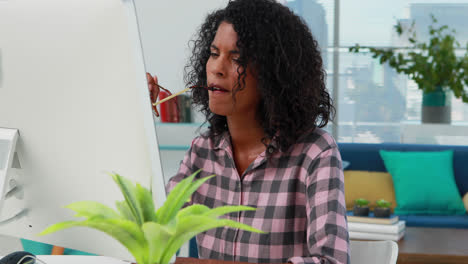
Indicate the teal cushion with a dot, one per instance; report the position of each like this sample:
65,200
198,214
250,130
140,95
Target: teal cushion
424,182
38,248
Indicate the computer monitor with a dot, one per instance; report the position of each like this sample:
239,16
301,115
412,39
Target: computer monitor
73,84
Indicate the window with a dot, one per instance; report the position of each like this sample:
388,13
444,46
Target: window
373,100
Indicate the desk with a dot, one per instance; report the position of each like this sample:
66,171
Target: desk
205,261
56,259
419,245
433,246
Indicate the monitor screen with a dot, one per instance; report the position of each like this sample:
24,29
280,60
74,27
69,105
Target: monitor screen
73,83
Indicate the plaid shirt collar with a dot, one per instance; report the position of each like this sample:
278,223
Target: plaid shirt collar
223,141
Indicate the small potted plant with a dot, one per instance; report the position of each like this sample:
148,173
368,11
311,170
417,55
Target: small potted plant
152,236
361,207
382,209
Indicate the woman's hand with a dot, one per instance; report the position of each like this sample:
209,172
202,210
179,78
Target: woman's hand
154,90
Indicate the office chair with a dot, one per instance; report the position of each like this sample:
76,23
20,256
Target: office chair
372,252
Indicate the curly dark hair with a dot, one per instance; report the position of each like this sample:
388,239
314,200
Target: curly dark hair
287,62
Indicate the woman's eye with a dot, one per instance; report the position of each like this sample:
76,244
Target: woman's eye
212,54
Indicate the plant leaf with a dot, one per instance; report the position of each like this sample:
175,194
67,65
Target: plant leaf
222,210
125,211
190,226
59,226
178,197
126,232
199,209
157,236
196,209
145,199
129,192
173,199
92,209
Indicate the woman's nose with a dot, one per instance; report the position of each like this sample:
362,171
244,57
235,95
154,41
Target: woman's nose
218,67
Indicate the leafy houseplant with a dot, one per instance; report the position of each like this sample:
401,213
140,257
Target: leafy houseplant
152,237
361,207
383,208
433,65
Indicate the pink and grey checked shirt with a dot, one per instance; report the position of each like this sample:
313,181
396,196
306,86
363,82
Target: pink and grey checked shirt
299,195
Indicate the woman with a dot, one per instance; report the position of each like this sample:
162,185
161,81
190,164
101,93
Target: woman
266,105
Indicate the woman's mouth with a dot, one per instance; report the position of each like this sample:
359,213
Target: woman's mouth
216,88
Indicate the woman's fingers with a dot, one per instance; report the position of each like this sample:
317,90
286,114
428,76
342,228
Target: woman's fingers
154,90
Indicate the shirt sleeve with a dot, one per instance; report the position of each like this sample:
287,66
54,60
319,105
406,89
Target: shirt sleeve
327,233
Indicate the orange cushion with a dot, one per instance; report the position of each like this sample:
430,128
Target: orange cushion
465,201
369,185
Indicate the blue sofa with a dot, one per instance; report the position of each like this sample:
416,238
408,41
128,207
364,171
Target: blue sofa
366,157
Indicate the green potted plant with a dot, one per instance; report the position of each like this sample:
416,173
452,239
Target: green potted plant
433,65
152,237
382,209
361,207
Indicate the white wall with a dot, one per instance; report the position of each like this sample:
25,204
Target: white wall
166,28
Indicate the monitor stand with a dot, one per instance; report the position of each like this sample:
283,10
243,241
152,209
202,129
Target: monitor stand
11,193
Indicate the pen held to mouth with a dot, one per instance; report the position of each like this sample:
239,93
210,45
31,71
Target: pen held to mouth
179,93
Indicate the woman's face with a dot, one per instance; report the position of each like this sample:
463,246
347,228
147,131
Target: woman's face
222,73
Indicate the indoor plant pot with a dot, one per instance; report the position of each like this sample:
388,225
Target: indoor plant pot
361,207
382,209
437,106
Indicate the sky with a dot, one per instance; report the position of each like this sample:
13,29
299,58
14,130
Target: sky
370,21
